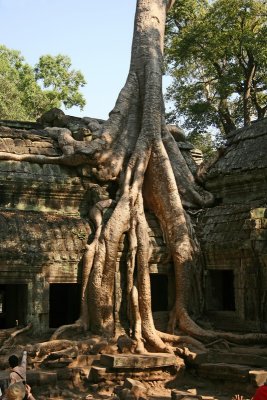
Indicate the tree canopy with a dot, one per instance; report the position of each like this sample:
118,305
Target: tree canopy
216,53
27,92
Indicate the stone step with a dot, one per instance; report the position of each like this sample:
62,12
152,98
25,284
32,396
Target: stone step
145,367
217,356
232,372
100,374
133,361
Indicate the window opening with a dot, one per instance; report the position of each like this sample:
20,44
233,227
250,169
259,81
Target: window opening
220,292
159,292
64,303
13,305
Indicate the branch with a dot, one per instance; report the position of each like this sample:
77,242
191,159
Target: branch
170,4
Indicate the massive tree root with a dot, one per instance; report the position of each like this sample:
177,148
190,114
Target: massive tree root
135,148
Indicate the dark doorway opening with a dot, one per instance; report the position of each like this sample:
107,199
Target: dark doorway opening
159,292
220,294
64,303
13,305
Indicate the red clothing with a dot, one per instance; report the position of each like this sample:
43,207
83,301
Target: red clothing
261,393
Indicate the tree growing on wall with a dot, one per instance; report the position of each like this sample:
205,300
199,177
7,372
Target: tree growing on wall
135,149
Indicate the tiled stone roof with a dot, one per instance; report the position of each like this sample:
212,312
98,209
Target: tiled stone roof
246,151
225,225
239,175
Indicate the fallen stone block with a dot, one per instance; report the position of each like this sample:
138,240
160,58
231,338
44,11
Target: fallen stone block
149,360
129,383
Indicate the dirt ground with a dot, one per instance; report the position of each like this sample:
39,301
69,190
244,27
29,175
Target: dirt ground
186,381
194,386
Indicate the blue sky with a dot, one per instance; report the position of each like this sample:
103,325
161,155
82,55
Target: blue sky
96,35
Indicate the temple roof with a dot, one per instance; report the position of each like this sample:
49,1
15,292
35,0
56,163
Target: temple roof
246,151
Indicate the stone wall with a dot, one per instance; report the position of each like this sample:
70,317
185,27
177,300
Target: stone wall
44,215
43,233
233,234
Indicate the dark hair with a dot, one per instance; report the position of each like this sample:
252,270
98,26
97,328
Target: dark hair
13,361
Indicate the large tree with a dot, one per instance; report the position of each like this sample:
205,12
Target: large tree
135,149
217,56
28,92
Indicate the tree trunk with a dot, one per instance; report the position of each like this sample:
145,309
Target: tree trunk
249,74
149,176
225,117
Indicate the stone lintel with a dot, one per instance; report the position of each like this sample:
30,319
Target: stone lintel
150,360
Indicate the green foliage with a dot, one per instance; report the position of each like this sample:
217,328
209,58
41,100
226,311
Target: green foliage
28,92
62,82
204,142
11,99
217,56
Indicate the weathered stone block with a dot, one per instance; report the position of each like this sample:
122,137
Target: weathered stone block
183,395
150,360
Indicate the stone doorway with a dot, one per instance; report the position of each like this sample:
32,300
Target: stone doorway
159,292
220,291
13,305
64,303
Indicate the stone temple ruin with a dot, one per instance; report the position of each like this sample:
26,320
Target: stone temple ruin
233,234
45,225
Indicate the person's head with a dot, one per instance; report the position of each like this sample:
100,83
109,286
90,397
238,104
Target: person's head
16,391
13,361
